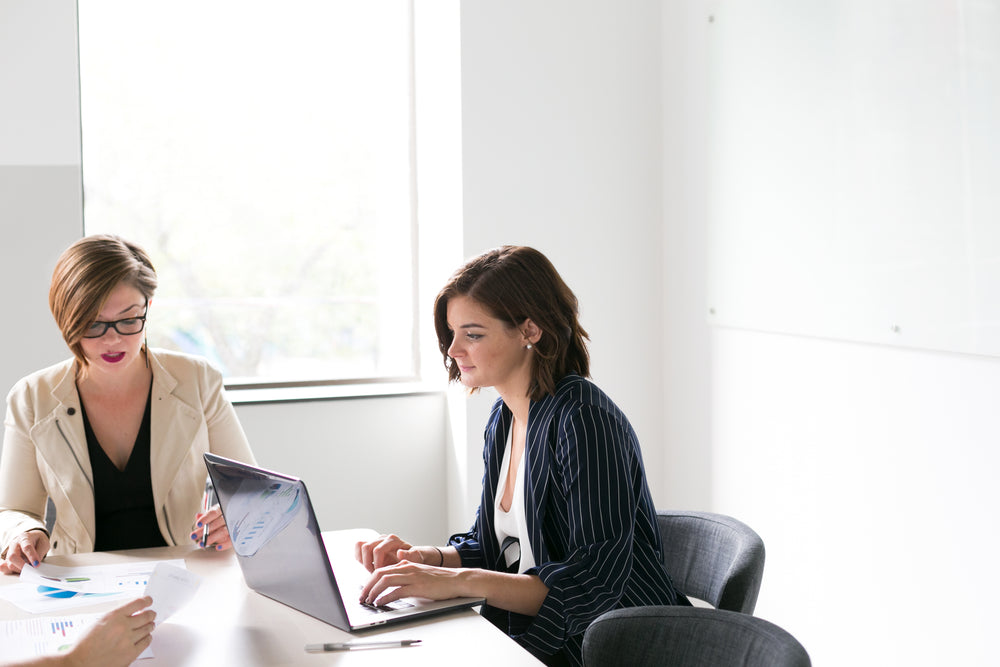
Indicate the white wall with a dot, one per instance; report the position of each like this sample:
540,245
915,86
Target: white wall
870,473
867,469
40,185
561,126
686,469
368,463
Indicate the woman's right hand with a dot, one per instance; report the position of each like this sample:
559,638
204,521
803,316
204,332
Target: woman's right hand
27,548
386,550
117,638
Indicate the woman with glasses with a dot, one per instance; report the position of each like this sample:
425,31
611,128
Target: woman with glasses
566,528
115,435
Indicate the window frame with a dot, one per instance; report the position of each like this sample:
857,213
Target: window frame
253,389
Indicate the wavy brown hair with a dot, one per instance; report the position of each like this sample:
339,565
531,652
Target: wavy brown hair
86,274
515,283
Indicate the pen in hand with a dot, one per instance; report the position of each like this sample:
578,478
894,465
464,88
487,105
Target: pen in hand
354,646
206,503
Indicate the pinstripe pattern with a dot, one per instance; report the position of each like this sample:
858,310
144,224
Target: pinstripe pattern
591,519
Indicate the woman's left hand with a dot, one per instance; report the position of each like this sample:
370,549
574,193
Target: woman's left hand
406,579
218,533
28,548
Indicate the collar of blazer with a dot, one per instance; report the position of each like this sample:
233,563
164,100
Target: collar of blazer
59,425
177,419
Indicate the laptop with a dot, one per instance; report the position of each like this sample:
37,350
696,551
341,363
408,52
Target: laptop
283,554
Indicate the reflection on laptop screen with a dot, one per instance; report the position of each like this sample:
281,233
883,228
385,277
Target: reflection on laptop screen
276,538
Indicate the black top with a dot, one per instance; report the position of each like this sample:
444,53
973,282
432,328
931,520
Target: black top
123,499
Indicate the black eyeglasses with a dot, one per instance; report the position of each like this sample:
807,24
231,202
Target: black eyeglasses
130,326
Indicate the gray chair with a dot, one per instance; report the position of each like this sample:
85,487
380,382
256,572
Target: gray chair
712,557
688,637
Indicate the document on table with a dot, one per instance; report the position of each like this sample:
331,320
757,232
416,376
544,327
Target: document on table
129,577
169,584
51,588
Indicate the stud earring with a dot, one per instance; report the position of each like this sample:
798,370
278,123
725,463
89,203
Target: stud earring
528,346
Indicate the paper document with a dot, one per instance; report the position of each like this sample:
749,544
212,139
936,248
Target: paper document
168,582
171,588
20,640
51,588
97,579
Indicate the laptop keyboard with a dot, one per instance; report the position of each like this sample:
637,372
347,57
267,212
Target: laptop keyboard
369,609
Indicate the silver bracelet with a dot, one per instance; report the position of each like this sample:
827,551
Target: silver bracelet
441,554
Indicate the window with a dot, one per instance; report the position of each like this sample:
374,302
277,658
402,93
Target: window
263,154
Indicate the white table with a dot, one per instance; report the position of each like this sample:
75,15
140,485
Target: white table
229,624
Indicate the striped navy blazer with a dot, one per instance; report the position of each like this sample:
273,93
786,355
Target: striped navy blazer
591,519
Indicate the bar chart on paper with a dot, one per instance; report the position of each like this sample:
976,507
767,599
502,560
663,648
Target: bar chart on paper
41,636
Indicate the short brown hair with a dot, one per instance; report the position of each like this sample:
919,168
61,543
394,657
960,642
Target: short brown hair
86,274
515,283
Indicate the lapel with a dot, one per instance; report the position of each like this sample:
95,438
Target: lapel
537,464
172,421
499,426
539,461
61,441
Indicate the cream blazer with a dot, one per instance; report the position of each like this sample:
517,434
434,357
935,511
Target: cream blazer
45,450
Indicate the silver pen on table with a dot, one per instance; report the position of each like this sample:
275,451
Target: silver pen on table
353,646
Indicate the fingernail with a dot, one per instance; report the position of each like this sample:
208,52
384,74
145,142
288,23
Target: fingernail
194,536
35,564
218,547
199,524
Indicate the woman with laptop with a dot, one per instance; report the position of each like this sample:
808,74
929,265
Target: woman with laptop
566,529
113,436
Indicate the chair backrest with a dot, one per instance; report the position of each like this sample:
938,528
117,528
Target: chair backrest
688,637
712,557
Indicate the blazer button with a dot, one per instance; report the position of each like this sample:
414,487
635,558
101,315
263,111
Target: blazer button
71,412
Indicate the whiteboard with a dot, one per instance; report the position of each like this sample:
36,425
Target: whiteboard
854,170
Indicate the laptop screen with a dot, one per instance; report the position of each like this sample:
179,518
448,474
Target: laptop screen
276,538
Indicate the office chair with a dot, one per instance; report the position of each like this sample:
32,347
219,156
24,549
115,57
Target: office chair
712,557
688,637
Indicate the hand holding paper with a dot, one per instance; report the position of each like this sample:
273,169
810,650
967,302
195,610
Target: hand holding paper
167,582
